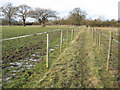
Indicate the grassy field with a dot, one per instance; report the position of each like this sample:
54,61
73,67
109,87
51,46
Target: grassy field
15,31
81,64
22,54
11,48
115,31
14,48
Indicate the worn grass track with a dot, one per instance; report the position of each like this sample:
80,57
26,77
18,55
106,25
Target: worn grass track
76,67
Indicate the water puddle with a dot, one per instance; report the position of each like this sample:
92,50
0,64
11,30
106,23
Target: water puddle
56,45
15,68
118,80
34,60
33,55
116,34
52,49
29,66
64,39
20,65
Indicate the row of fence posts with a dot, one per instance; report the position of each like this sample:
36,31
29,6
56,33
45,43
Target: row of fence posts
96,35
73,32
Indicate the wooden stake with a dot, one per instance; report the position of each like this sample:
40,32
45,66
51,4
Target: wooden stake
97,37
47,53
67,36
61,41
109,50
73,33
93,34
100,40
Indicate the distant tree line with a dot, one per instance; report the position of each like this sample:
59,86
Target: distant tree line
75,17
11,12
78,17
87,22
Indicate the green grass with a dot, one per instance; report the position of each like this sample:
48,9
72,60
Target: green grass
19,49
15,31
80,65
14,47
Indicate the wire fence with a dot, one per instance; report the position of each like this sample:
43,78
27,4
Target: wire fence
107,42
23,54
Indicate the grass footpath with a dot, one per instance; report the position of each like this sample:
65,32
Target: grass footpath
81,65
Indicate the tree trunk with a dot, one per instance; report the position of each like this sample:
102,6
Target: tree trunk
10,22
24,22
40,21
43,22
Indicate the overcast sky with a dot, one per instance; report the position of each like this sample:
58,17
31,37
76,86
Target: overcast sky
107,9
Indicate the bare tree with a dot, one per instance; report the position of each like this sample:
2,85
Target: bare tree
8,11
42,15
77,15
37,14
48,13
23,12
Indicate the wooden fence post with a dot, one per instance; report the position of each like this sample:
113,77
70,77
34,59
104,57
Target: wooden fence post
67,36
73,33
97,37
93,34
47,53
109,51
100,40
61,41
